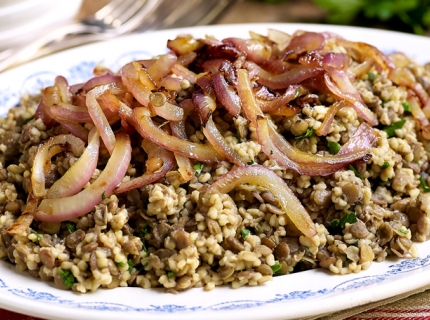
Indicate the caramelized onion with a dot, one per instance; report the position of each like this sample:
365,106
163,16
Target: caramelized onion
256,50
164,108
228,98
80,173
146,127
154,152
68,208
42,159
162,66
264,177
99,118
283,80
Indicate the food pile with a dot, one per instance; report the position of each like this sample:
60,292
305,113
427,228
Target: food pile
220,162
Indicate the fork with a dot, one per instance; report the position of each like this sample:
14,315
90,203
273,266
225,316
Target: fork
115,18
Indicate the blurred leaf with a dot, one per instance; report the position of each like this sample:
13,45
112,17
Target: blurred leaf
341,12
386,9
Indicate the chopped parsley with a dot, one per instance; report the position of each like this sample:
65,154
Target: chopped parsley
371,76
296,93
170,274
338,225
333,147
120,264
239,139
277,269
423,184
309,132
403,231
130,265
198,167
28,119
406,107
385,165
271,151
38,236
357,174
146,229
251,162
67,276
104,195
71,226
244,233
390,130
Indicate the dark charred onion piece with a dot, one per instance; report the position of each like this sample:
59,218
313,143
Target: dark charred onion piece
146,127
226,95
154,152
264,177
296,75
48,149
68,208
78,175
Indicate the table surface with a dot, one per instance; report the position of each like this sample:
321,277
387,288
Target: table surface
415,306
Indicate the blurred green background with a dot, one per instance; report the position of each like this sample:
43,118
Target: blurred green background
411,16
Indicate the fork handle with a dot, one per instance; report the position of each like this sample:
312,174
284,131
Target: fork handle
27,52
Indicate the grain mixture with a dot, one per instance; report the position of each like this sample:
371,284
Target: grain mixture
220,162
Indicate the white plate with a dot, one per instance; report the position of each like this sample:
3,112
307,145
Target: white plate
302,294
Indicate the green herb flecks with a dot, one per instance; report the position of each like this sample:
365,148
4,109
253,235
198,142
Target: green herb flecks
390,130
423,184
130,265
338,225
385,165
170,274
251,162
271,152
406,107
333,147
403,231
296,94
67,277
38,236
277,269
357,174
371,76
28,120
70,226
309,133
198,167
120,264
244,233
103,195
146,229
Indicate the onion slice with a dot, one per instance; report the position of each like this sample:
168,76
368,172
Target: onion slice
154,152
228,98
261,176
78,175
99,118
68,208
48,149
147,129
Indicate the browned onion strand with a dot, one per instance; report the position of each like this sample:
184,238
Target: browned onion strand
264,177
154,152
71,207
146,127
